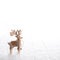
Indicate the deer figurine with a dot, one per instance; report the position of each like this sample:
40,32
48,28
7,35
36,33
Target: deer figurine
17,42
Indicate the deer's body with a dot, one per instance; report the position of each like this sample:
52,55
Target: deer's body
16,43
13,43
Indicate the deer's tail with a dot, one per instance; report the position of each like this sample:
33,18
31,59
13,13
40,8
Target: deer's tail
8,43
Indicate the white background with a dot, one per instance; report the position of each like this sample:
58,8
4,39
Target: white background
40,24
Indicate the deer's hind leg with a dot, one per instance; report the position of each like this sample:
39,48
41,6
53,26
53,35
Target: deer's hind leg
11,49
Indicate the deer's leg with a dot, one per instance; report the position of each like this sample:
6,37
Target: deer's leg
19,46
11,49
18,49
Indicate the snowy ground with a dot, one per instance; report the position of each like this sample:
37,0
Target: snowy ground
44,57
15,57
39,55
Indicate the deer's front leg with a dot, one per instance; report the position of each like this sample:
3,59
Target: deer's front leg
18,50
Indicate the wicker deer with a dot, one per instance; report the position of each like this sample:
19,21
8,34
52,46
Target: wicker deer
17,42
